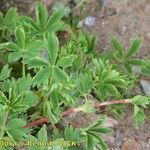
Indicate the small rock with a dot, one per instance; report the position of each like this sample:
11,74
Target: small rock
89,21
130,144
146,86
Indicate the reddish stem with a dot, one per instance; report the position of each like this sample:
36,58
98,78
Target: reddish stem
73,110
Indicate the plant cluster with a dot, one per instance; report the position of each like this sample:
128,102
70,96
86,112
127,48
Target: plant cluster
52,78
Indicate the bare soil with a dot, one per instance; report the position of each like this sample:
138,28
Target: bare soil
125,19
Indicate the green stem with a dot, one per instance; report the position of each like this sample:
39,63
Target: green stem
23,70
4,125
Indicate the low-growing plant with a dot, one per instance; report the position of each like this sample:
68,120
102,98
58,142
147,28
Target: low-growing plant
52,81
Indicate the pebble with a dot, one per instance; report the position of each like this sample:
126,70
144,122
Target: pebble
130,144
89,21
146,86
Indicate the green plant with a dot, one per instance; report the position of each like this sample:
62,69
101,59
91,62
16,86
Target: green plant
54,78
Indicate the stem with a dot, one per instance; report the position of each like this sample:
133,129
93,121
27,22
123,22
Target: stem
74,110
23,70
4,125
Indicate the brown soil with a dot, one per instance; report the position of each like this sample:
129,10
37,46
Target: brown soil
125,19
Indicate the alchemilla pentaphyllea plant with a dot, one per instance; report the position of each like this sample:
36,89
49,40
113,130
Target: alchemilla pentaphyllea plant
41,82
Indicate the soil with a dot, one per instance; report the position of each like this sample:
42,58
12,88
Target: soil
126,20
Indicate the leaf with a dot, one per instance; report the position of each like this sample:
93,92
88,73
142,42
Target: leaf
135,62
11,46
118,47
14,56
55,17
37,62
141,100
102,130
42,15
10,16
66,61
3,98
139,116
52,47
90,142
42,134
36,46
30,23
5,72
42,76
60,75
55,27
20,36
15,128
136,44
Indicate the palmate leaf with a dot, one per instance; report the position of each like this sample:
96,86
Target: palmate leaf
20,37
55,18
36,46
3,98
15,129
14,56
30,23
10,16
139,116
56,27
118,47
135,46
42,134
42,76
11,46
5,72
41,15
66,61
52,43
60,75
37,62
90,142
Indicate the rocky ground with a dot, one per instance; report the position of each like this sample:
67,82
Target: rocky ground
126,20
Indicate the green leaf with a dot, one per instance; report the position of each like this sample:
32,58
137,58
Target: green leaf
52,47
42,15
5,72
10,16
15,128
118,47
102,130
30,23
141,100
3,98
55,27
135,46
90,142
66,61
42,134
42,76
37,62
139,116
60,75
135,62
11,46
20,36
36,46
55,17
14,56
